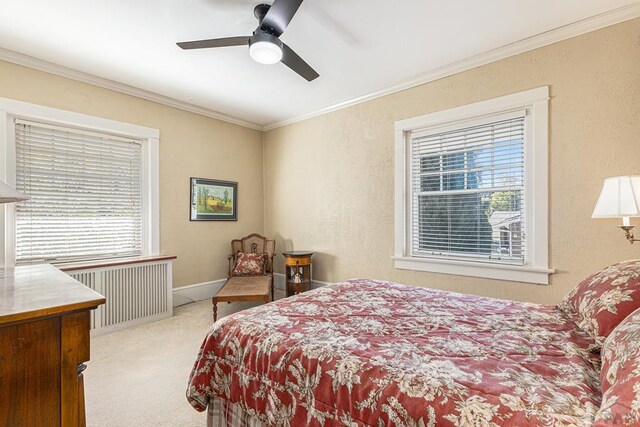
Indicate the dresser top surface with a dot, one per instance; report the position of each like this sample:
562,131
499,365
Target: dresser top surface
32,291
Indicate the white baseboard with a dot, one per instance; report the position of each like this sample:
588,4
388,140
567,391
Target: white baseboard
279,282
198,292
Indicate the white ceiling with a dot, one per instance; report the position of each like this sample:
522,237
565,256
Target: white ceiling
357,47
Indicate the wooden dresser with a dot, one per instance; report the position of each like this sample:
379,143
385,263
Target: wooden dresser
44,341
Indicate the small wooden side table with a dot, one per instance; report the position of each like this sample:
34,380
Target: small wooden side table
297,265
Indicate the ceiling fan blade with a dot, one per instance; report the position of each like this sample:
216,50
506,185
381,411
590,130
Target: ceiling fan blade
297,64
279,16
223,42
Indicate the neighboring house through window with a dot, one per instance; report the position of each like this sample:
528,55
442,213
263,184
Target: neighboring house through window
471,194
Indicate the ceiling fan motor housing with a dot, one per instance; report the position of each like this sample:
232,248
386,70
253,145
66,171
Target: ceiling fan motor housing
261,36
265,48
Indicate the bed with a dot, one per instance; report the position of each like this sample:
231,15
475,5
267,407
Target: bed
372,353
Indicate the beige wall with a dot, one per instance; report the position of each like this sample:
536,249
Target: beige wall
190,145
329,180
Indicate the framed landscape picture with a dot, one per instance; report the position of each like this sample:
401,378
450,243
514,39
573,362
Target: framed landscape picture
213,200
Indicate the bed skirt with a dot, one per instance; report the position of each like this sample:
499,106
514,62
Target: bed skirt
222,413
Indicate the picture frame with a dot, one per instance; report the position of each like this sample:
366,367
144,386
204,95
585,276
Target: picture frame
213,200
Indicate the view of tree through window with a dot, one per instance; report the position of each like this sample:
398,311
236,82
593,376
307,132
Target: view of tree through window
468,188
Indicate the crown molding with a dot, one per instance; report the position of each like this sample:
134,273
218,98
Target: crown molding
59,70
584,26
553,36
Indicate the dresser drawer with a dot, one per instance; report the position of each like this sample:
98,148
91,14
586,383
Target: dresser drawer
30,373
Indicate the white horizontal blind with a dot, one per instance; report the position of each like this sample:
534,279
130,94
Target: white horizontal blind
85,194
468,192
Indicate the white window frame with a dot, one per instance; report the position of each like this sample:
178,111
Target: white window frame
536,269
11,109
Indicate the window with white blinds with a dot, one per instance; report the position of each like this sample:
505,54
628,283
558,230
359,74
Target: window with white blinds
467,195
85,193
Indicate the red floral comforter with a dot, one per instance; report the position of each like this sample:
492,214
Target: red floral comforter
376,353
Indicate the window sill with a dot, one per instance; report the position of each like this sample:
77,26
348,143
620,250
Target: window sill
113,262
514,273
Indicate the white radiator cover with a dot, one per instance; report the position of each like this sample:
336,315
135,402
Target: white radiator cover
135,293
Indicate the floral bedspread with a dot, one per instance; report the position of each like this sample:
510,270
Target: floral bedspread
372,353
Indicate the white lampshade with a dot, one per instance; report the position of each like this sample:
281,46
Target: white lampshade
619,198
9,195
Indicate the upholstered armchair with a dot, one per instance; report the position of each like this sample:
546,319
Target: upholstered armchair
248,287
254,243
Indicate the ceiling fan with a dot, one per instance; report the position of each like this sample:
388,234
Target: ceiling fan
265,45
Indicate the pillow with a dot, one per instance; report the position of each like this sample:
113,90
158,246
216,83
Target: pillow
601,301
249,264
620,375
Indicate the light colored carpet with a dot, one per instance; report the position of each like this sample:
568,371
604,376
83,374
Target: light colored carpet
138,376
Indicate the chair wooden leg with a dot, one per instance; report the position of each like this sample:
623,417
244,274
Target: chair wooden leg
215,309
273,297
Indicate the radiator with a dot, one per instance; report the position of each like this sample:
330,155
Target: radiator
135,293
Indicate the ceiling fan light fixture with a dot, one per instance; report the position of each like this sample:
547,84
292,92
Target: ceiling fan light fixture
265,46
265,49
265,52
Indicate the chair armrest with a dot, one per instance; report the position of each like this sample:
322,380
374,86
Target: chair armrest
231,259
272,266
